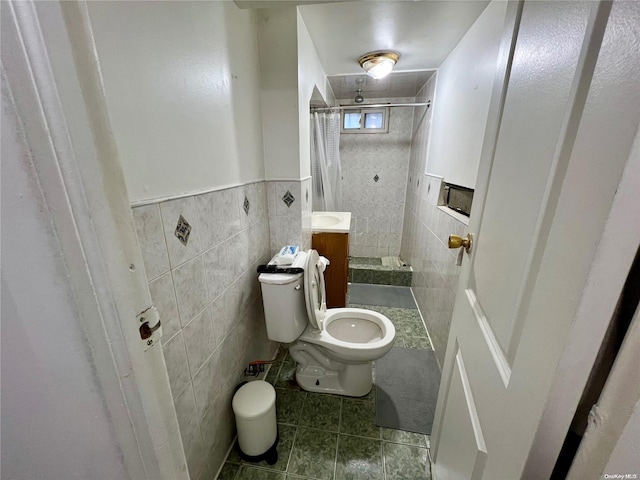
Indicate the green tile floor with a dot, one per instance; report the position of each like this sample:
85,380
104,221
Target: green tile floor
330,437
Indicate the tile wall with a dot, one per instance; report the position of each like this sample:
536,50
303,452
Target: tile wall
426,230
289,216
208,296
377,206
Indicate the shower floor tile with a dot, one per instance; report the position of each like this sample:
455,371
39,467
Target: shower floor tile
381,295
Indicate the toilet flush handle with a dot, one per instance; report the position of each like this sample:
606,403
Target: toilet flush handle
298,287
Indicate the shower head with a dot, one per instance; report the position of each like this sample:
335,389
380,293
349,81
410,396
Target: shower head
359,98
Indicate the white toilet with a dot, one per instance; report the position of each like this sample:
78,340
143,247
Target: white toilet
333,348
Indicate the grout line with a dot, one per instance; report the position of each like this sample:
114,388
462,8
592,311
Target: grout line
382,460
293,444
424,323
335,458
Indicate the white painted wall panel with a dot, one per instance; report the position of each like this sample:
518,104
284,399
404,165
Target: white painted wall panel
182,88
310,75
461,105
279,92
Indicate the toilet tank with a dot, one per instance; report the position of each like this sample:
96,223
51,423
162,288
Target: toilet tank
283,298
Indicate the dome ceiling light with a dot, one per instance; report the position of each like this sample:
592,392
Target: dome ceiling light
379,64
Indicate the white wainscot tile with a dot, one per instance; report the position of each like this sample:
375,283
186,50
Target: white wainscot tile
289,231
191,290
150,233
218,270
210,218
295,208
210,423
230,212
171,212
199,340
270,188
249,216
164,298
229,358
207,382
219,318
175,356
186,412
239,252
194,451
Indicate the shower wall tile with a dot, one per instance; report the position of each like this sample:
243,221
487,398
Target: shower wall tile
374,170
208,297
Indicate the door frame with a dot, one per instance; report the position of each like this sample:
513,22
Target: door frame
50,65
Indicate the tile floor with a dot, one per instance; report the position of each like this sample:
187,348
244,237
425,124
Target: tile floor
328,437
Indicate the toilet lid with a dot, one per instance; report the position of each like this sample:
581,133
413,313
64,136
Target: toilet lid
314,290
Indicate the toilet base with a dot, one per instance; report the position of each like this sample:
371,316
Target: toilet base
352,381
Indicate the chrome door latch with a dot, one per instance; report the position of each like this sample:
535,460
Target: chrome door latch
149,334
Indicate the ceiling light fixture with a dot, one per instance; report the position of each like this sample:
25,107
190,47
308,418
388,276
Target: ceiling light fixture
379,64
359,98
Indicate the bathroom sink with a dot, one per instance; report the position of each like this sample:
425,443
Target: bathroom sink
330,222
322,219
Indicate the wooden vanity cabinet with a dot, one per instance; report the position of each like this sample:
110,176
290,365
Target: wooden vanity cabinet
335,247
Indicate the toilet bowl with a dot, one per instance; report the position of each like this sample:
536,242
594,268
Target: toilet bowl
333,348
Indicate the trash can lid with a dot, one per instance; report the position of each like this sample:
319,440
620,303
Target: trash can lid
254,399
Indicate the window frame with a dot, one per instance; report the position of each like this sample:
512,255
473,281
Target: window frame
363,112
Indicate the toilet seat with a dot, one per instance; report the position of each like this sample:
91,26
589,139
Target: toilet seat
354,334
314,289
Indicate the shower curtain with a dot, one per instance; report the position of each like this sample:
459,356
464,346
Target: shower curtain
325,162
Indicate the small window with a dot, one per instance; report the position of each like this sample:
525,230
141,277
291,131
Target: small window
352,120
365,121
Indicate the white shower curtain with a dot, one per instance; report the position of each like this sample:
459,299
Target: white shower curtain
325,162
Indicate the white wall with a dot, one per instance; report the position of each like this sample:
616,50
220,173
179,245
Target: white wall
55,422
182,88
462,98
279,92
310,74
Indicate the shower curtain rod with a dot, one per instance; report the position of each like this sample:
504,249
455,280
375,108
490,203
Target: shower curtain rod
377,105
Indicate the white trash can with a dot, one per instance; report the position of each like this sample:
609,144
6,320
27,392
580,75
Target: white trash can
254,405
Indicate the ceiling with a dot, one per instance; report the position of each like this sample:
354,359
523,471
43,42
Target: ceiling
400,84
424,32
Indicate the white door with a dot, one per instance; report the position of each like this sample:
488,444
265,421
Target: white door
564,113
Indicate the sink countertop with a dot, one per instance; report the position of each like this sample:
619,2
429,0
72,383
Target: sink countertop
330,222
